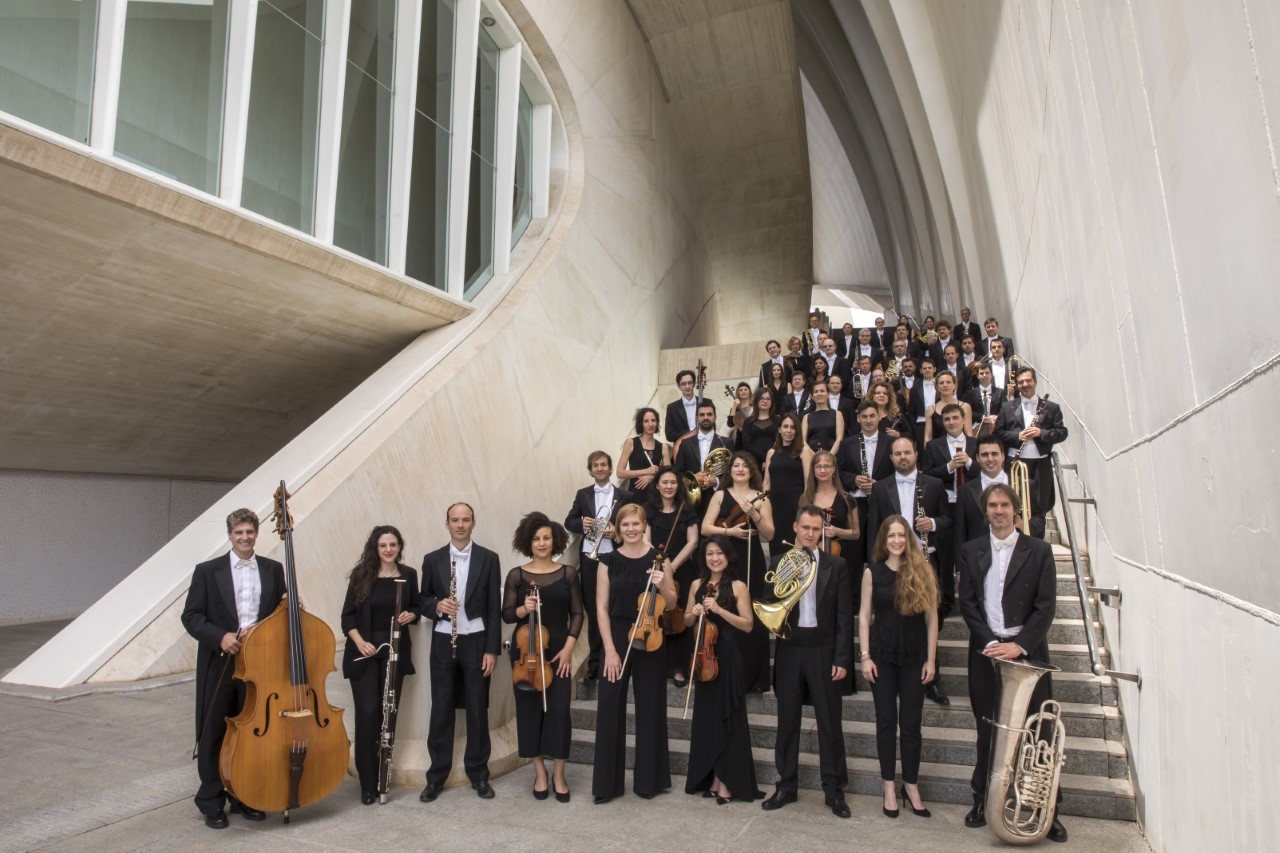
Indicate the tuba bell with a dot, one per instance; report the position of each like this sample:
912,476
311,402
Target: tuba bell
1027,757
790,580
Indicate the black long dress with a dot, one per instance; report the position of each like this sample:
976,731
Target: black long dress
755,647
822,429
841,508
548,733
786,485
720,738
652,771
679,646
639,460
758,437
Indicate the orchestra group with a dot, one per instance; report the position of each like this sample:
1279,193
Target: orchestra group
855,496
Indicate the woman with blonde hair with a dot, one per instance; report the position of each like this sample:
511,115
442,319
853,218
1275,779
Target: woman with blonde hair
898,635
892,421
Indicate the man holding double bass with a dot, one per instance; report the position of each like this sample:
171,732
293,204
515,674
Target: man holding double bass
228,595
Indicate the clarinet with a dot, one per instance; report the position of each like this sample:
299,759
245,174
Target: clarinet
920,513
390,701
862,445
453,593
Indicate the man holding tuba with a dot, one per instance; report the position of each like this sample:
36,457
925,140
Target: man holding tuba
813,619
1008,595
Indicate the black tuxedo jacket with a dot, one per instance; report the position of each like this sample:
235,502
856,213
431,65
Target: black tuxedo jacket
971,521
481,599
1010,423
798,363
840,367
843,343
884,503
210,613
676,424
688,461
849,459
1030,593
981,345
834,589
360,617
937,455
972,329
974,398
788,403
584,506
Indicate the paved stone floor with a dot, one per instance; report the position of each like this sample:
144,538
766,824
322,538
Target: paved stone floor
110,772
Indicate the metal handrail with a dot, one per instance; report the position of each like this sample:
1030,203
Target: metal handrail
1095,659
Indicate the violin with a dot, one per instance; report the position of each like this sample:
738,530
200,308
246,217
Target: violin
646,633
704,666
287,748
533,671
832,546
738,515
672,617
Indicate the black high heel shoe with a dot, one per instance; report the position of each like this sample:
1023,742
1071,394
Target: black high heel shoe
888,812
902,795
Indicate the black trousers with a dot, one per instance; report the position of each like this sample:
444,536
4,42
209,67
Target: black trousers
899,698
652,771
984,696
801,671
366,695
1040,474
226,699
546,734
587,571
444,670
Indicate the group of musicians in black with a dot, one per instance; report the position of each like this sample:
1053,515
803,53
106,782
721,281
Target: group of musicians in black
874,458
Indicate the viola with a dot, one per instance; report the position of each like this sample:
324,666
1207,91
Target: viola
288,747
673,617
704,666
533,671
737,515
832,546
646,632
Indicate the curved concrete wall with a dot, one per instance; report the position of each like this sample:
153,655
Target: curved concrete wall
1117,196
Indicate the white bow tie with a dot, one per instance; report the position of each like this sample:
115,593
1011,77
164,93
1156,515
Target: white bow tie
244,564
908,480
600,490
1005,544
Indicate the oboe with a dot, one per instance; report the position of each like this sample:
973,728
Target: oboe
453,593
390,701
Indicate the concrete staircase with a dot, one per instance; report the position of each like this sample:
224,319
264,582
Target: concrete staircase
1096,778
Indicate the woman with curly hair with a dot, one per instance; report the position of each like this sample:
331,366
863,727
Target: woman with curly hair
367,611
898,635
545,733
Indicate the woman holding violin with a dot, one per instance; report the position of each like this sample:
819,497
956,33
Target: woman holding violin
743,515
367,612
543,597
642,455
720,760
674,525
840,525
892,420
632,591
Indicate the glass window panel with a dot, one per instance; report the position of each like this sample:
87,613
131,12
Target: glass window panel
46,62
484,139
522,205
284,113
171,89
364,159
427,250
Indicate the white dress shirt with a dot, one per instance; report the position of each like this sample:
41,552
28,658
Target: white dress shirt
986,393
808,617
248,586
466,625
864,349
993,586
955,444
1029,406
604,499
930,396
691,410
967,359
997,373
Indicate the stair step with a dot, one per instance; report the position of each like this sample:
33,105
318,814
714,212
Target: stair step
942,744
1069,657
1087,796
1063,630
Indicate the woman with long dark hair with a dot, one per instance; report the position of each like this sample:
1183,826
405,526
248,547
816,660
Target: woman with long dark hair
670,518
898,635
546,733
642,455
367,612
786,468
760,431
720,760
776,381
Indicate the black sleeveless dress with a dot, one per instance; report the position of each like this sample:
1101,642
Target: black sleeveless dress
822,429
639,460
755,646
679,646
786,485
720,739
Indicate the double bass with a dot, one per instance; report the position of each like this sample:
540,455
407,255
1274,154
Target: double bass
288,747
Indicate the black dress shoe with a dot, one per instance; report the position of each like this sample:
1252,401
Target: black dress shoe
429,793
1057,832
935,694
237,807
216,820
600,801
541,795
778,800
977,815
368,797
838,806
483,789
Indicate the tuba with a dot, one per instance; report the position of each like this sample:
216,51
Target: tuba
1022,790
790,580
